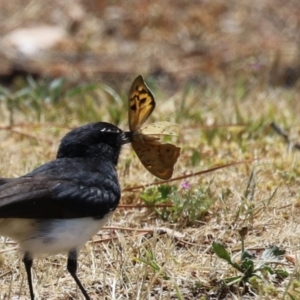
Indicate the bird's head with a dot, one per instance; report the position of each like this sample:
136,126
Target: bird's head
93,141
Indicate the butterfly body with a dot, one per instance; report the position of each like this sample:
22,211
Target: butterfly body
157,158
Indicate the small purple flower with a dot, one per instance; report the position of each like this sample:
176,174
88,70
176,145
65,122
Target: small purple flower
185,185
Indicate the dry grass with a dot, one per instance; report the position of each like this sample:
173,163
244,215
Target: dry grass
122,264
221,70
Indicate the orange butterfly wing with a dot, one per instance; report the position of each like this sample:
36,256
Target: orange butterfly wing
157,158
141,103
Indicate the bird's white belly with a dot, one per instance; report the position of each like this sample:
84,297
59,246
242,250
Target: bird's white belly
51,236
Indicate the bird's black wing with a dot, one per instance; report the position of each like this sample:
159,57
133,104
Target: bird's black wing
42,197
5,180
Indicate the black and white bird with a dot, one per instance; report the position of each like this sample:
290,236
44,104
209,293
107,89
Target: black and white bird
59,206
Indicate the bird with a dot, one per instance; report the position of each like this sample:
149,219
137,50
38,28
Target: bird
60,205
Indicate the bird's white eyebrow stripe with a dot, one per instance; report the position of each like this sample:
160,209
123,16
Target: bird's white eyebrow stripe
109,130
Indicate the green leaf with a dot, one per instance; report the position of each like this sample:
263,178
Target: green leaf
221,252
282,273
233,280
269,270
247,255
165,190
248,267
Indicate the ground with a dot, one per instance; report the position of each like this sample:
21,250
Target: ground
228,73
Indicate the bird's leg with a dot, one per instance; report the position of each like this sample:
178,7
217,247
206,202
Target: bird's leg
27,260
72,268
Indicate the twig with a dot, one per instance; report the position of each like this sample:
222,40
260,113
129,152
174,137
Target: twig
129,189
4,274
145,205
10,249
31,136
280,131
160,230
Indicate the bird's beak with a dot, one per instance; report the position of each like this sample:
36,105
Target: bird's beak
126,137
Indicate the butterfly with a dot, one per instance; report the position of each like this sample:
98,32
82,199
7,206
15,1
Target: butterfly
157,158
